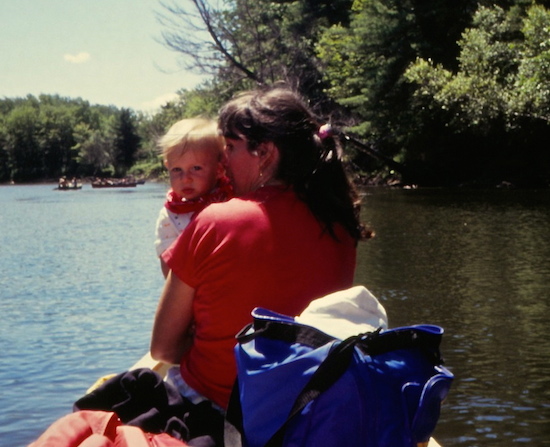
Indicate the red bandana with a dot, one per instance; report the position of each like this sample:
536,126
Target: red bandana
222,192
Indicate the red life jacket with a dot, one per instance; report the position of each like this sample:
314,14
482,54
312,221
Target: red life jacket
90,428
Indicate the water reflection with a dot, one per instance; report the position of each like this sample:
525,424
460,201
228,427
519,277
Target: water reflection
79,282
478,264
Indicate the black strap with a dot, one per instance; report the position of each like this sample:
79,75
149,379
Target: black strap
370,343
233,429
234,413
376,343
328,372
283,331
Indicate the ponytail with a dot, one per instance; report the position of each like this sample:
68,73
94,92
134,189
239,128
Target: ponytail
310,158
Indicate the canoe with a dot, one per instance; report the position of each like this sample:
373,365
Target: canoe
65,184
110,184
161,368
69,187
149,362
145,362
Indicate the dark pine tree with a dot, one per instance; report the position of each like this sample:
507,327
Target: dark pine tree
126,142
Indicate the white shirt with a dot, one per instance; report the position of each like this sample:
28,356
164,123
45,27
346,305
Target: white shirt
169,227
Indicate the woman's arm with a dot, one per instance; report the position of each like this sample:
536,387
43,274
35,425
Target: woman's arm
164,268
171,330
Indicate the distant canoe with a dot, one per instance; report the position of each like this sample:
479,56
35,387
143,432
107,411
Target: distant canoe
69,187
113,183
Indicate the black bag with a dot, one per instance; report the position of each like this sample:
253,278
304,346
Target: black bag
142,398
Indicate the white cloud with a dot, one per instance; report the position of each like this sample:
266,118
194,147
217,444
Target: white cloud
154,104
77,58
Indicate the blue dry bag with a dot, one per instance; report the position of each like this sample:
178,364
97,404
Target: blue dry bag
298,386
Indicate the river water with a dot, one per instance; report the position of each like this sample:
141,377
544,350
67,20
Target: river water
79,282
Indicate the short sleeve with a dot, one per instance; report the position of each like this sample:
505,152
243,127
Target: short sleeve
165,233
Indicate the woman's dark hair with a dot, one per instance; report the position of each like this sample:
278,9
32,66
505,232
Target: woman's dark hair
309,161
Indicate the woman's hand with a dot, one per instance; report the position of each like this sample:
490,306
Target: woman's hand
172,329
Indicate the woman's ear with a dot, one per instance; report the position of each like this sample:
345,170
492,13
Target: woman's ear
269,155
265,150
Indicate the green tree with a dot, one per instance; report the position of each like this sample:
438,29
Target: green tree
5,160
365,61
26,160
493,112
243,43
93,146
49,136
126,142
366,67
57,140
531,90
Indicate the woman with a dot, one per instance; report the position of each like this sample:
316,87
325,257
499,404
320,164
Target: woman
288,237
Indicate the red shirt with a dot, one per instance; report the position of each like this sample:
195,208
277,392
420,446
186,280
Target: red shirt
265,249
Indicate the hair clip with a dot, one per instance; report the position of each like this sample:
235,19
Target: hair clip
324,131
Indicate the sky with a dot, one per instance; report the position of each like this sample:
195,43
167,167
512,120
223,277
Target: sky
106,52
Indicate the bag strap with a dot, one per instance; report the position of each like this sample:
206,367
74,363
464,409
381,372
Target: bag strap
233,427
284,331
234,412
328,372
425,337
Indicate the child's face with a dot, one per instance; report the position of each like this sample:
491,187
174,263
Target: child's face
194,174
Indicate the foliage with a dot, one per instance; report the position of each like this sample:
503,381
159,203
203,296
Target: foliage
50,136
496,104
25,159
475,95
244,43
364,62
532,84
151,168
444,92
126,142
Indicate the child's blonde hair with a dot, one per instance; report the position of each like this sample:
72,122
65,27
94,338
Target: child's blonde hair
191,134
